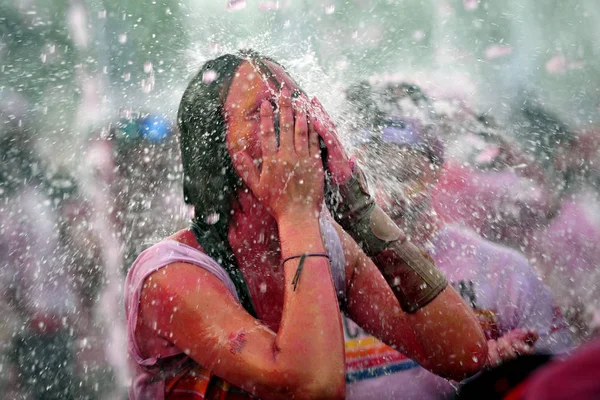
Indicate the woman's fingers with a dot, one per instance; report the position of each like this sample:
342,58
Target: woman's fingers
268,140
323,125
245,168
318,107
319,128
286,127
325,128
527,336
522,348
493,356
504,348
313,140
300,131
338,163
509,346
531,337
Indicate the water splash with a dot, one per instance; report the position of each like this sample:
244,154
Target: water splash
236,5
497,51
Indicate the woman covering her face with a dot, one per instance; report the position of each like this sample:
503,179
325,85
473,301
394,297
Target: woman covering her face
247,301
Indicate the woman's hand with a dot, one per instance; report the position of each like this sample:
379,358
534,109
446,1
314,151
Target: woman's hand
511,345
291,179
338,162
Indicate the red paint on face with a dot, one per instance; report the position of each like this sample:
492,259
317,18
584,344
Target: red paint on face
249,88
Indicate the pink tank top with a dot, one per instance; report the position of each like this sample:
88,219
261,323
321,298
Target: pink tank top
151,373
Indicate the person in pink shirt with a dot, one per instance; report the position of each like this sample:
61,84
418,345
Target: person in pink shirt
402,157
36,294
564,249
486,182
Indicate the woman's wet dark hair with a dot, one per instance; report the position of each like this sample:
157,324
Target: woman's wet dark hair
210,181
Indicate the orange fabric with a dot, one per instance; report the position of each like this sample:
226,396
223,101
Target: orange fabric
199,383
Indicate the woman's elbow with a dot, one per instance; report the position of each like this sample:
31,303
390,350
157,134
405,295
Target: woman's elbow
463,356
467,345
475,350
329,388
475,361
316,385
468,359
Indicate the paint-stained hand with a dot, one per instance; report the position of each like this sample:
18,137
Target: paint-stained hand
338,162
291,178
511,345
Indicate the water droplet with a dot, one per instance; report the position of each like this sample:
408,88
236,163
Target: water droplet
209,76
497,50
269,5
418,35
147,67
330,9
235,5
123,38
557,64
471,4
212,218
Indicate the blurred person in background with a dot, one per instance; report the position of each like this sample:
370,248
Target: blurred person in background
81,251
534,191
489,184
564,249
485,182
34,277
136,161
529,186
132,176
402,154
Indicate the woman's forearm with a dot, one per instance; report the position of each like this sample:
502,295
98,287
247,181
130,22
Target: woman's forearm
442,335
310,332
452,340
414,278
450,336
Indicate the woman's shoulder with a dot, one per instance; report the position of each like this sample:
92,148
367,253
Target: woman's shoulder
182,251
185,236
179,247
